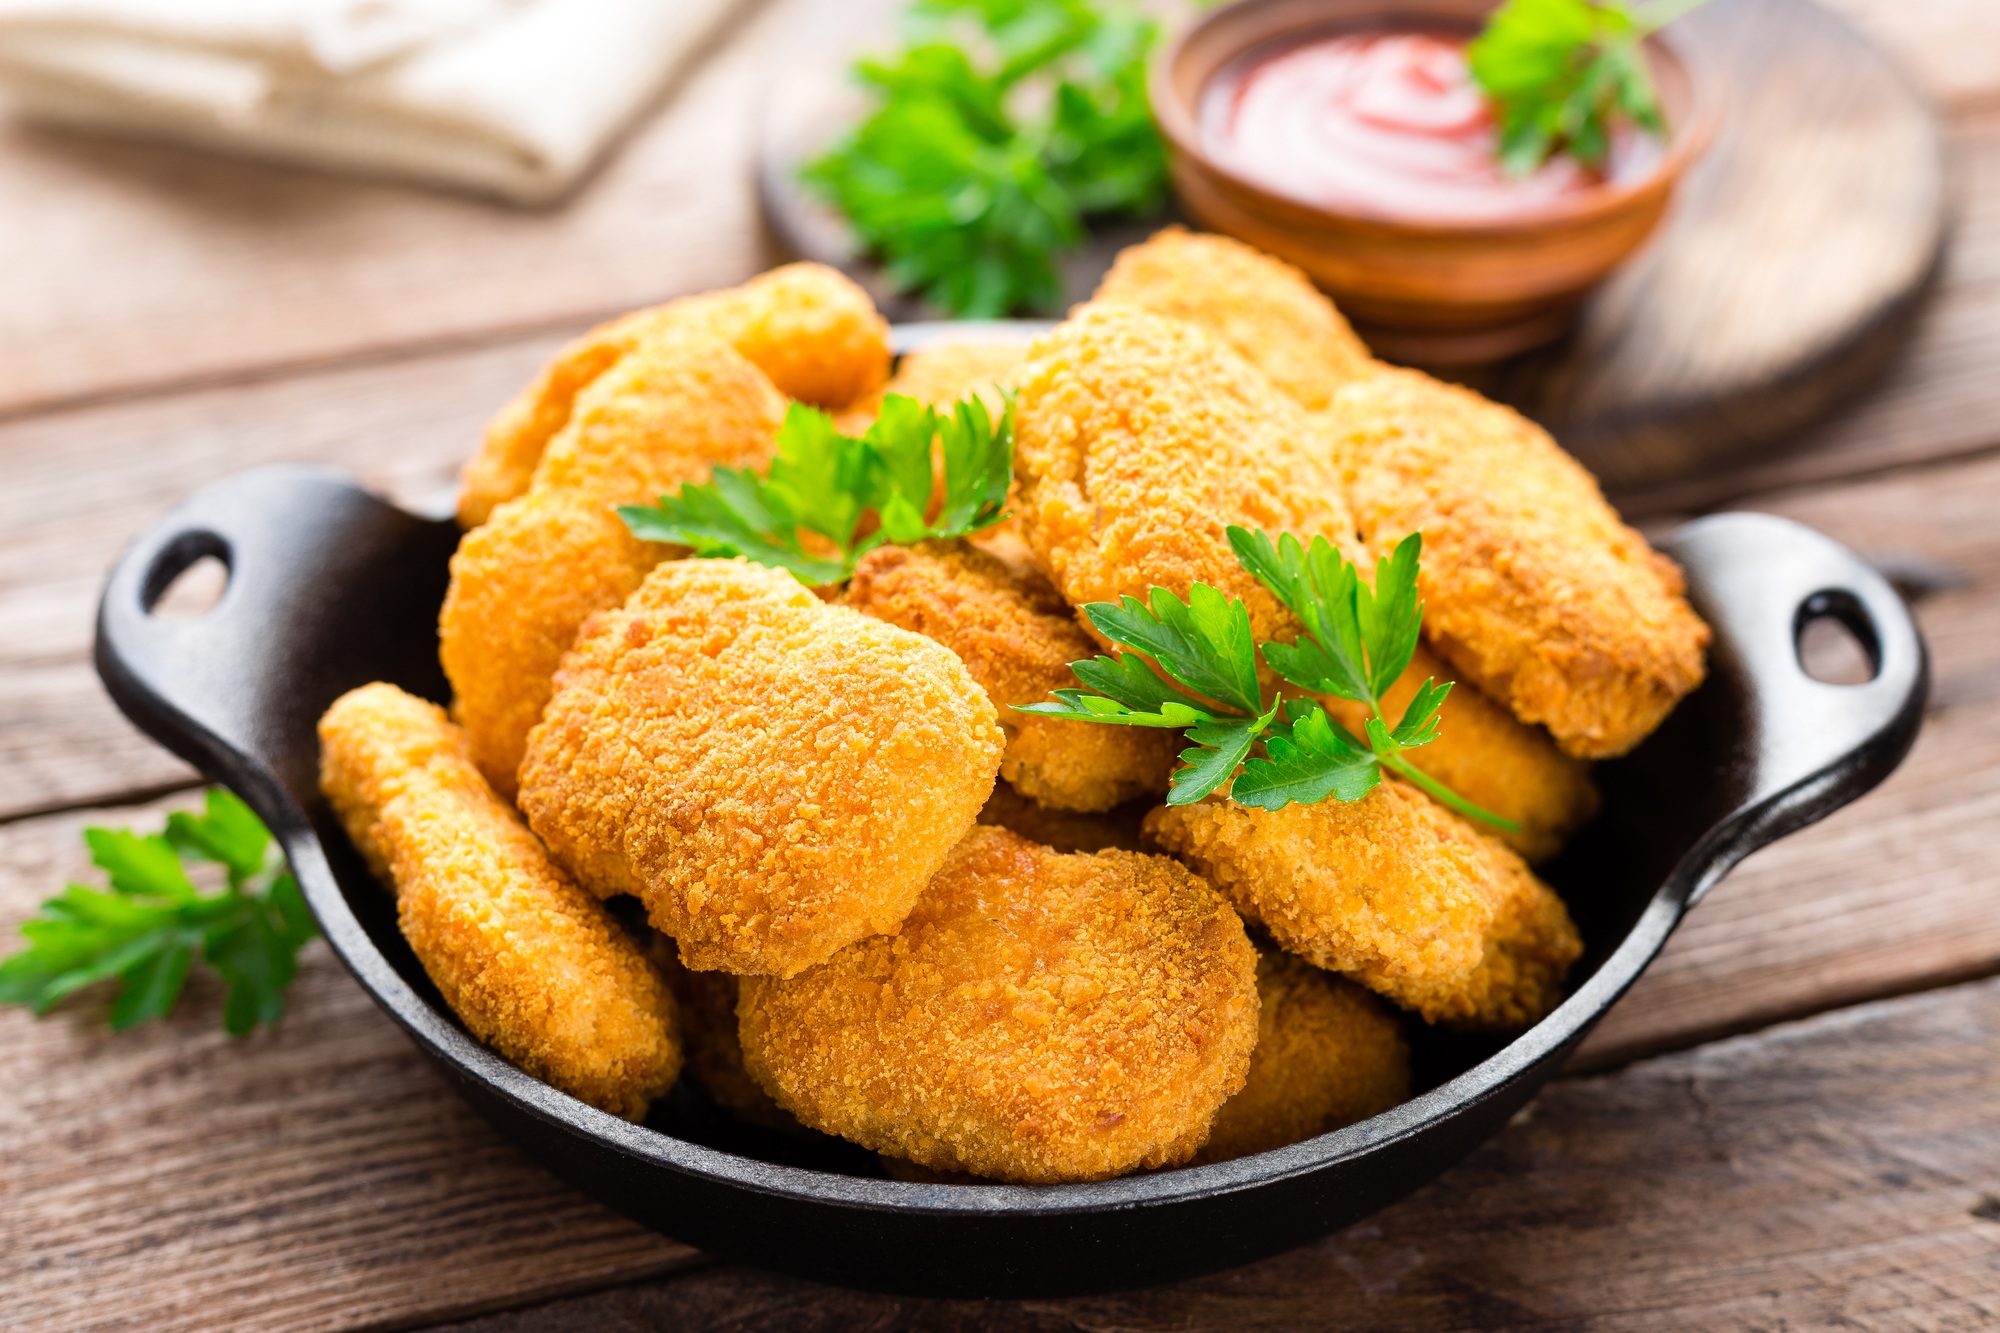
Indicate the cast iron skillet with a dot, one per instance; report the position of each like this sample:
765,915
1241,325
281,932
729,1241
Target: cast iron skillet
330,588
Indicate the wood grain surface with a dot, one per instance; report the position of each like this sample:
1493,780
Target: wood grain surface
1840,1173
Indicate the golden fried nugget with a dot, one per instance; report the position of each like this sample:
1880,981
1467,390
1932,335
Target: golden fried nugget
1065,830
942,375
1017,637
806,326
1140,440
523,583
1040,1018
1534,590
534,966
1328,1054
708,1031
1491,759
1394,891
1263,307
772,776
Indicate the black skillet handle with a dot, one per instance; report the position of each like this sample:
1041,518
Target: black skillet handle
1759,580
329,587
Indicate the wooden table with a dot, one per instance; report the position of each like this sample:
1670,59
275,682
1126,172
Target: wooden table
1793,1120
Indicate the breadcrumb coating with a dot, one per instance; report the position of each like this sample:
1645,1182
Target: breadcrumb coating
708,1031
1017,637
942,375
1534,590
1140,440
1328,1055
1263,307
1066,830
1394,891
534,966
523,583
808,327
1041,1018
1491,759
774,777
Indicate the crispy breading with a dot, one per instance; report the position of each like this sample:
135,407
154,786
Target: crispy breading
1492,759
534,966
523,583
1394,891
1263,307
1065,830
1328,1054
941,375
774,777
1534,590
1040,1018
1140,440
1017,637
708,1032
806,326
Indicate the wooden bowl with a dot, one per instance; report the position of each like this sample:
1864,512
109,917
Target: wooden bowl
1436,292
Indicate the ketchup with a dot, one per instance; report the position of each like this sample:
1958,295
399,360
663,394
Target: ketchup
1388,124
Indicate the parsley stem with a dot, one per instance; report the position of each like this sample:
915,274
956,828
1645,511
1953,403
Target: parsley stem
1443,794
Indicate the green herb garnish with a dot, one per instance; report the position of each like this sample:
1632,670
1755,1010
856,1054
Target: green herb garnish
1560,71
1003,125
1358,640
147,929
826,485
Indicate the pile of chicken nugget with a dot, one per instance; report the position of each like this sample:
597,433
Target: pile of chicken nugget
884,905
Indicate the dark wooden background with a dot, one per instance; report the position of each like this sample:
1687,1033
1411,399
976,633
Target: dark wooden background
1793,1121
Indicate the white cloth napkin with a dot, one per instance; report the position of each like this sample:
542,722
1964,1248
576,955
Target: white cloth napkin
508,97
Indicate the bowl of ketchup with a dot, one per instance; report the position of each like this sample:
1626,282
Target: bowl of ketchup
1349,137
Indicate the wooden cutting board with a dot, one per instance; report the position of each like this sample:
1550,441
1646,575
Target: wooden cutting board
1794,259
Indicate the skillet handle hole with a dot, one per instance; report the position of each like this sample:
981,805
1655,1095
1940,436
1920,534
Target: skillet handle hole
1836,640
188,579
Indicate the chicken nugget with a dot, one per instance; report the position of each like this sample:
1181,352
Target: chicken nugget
1328,1054
1534,590
523,583
708,1031
774,777
808,327
1394,891
534,966
1066,830
1139,440
1040,1018
1017,637
1490,758
1263,307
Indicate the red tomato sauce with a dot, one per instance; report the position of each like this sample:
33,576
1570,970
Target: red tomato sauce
1387,124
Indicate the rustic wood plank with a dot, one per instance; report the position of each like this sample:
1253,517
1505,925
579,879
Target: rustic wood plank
1947,45
321,1176
1940,397
154,266
403,427
1839,1172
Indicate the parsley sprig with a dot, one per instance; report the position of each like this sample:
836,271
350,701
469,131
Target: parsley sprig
1357,640
1002,127
1561,71
809,512
148,927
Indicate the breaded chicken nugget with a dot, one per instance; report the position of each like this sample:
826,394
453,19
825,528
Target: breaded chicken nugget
534,966
1066,830
1040,1018
1140,440
806,326
1393,890
1017,637
942,375
1491,759
1534,590
1263,307
772,776
1328,1054
523,583
708,1032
